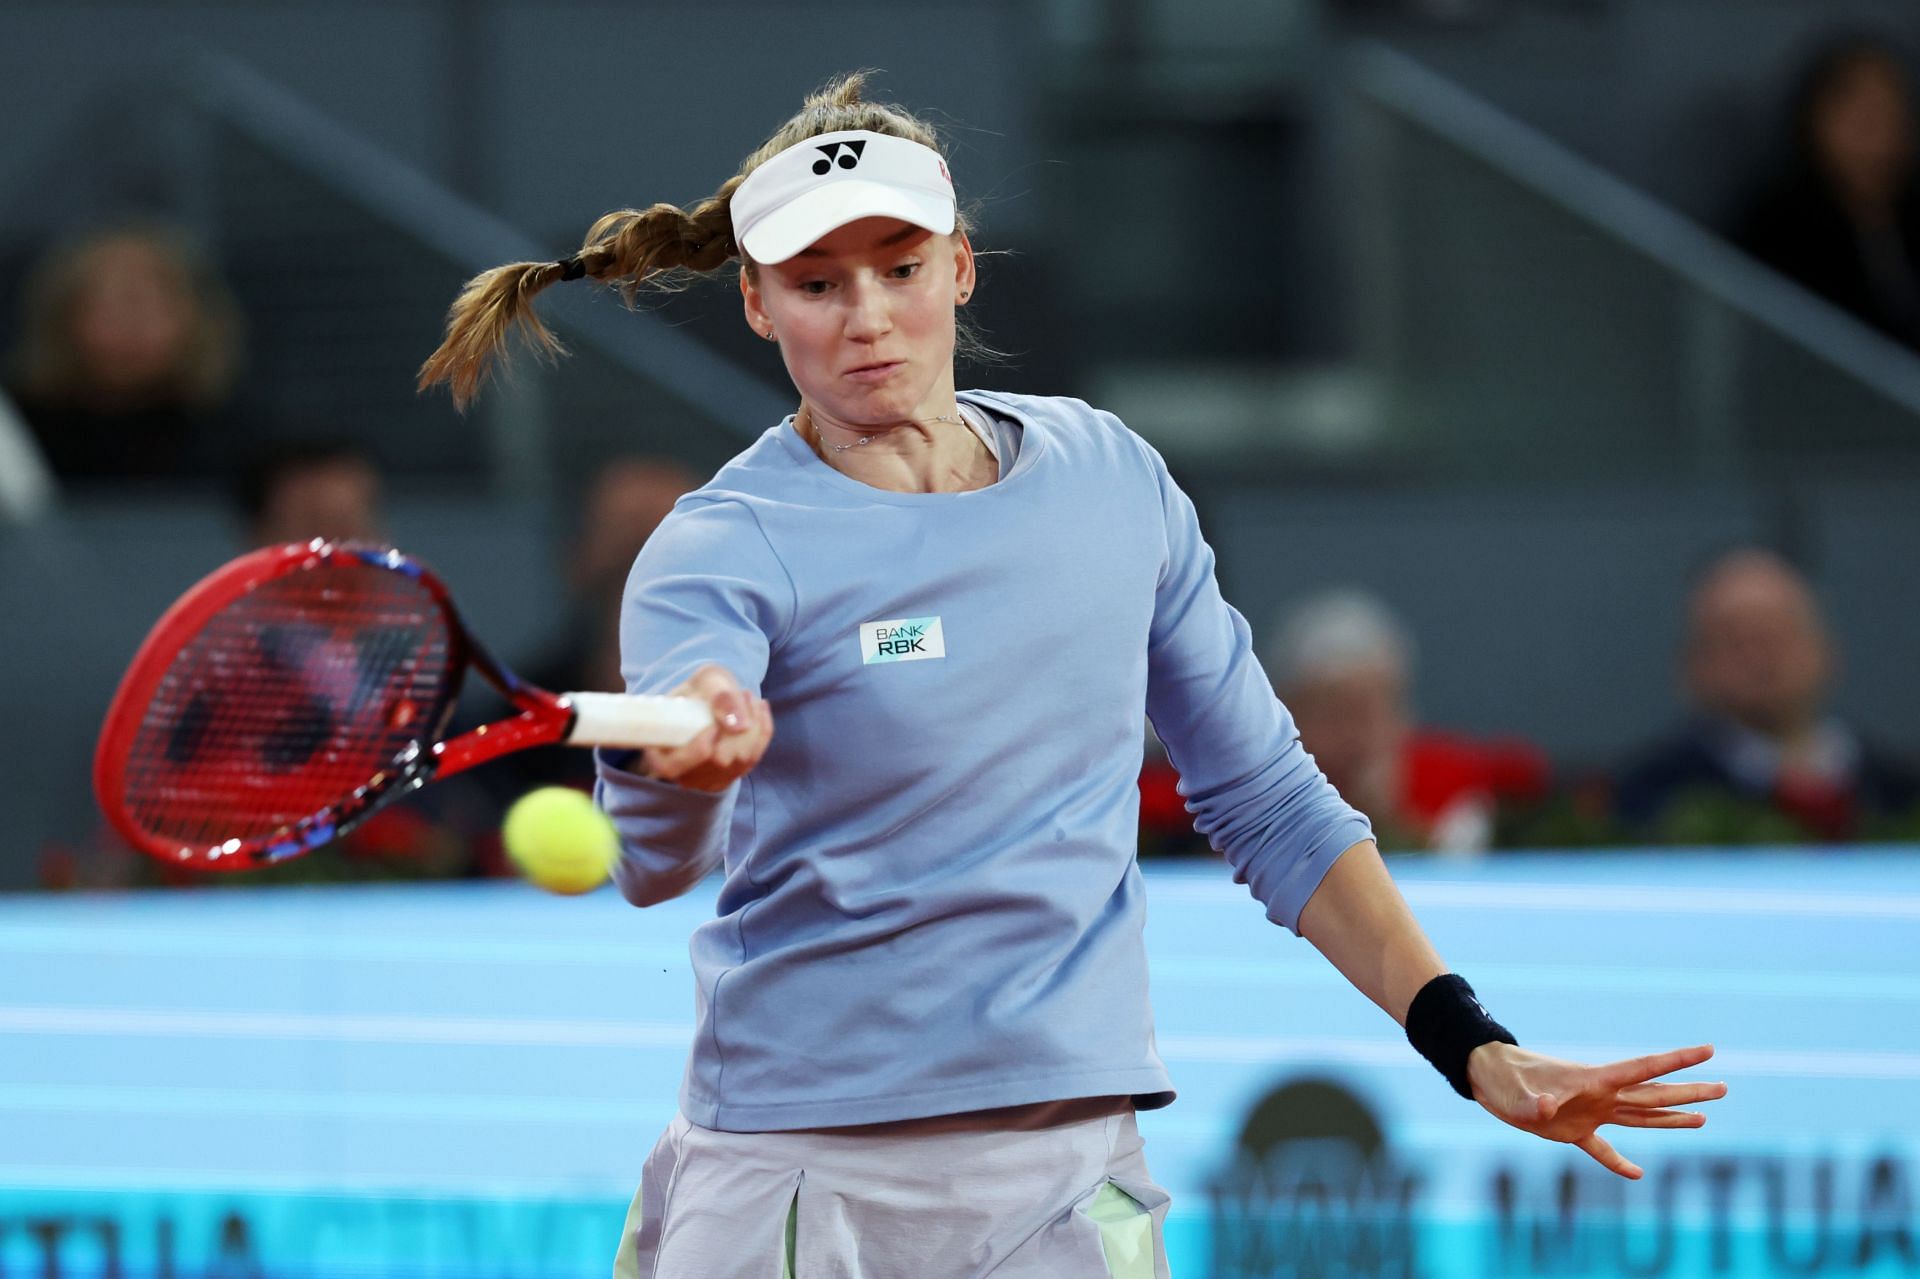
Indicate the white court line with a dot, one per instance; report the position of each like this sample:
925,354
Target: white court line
176,941
36,1178
343,1027
232,1103
1190,1201
1597,899
543,1032
1255,1049
1664,900
1294,972
1611,900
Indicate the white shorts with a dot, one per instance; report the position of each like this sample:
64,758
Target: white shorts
1064,1193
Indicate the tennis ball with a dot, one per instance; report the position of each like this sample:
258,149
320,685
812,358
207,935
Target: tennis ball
559,840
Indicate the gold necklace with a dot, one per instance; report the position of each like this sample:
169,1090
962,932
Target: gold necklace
867,439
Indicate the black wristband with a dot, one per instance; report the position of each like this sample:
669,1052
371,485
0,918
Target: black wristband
1445,1023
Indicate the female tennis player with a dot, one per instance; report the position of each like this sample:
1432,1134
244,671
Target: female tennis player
923,1027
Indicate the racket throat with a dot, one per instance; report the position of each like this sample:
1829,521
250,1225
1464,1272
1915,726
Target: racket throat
534,727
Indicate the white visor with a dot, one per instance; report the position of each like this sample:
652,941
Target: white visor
828,181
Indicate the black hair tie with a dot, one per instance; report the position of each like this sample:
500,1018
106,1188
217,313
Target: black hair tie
572,268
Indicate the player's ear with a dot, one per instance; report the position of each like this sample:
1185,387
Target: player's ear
754,305
964,277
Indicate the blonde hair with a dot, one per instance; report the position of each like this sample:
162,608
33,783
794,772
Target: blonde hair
49,365
630,247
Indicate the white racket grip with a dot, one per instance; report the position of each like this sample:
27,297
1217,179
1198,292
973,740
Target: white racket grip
616,719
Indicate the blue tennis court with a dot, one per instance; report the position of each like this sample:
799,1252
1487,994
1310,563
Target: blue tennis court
464,1080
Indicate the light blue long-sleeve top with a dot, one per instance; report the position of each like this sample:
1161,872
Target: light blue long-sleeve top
931,902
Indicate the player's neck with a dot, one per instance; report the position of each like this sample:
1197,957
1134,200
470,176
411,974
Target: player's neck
935,451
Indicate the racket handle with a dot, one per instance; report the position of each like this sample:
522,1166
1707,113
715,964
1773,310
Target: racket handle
616,719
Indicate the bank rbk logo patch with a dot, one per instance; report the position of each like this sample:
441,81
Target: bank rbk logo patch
844,154
905,639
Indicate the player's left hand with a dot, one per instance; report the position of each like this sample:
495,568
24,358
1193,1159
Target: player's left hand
1567,1101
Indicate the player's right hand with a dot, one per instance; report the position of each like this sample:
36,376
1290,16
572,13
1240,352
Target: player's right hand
722,754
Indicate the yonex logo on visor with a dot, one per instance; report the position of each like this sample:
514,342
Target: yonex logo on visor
825,182
849,154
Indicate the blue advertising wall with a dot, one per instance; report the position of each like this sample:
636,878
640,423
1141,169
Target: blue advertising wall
463,1081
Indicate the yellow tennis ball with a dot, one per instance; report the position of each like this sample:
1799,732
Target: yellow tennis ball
559,840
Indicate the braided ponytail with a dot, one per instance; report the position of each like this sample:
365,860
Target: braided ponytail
630,248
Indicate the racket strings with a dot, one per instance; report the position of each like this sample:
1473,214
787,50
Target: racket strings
288,702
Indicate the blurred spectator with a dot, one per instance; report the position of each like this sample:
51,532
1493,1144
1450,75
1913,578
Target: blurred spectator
1842,217
623,503
1762,759
299,491
127,359
1343,665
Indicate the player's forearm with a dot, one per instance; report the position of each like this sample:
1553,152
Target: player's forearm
1360,922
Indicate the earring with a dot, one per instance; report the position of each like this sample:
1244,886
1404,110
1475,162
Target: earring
768,335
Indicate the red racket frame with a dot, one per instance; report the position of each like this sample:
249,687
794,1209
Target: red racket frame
544,718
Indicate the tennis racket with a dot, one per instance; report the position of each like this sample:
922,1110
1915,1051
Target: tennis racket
294,691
